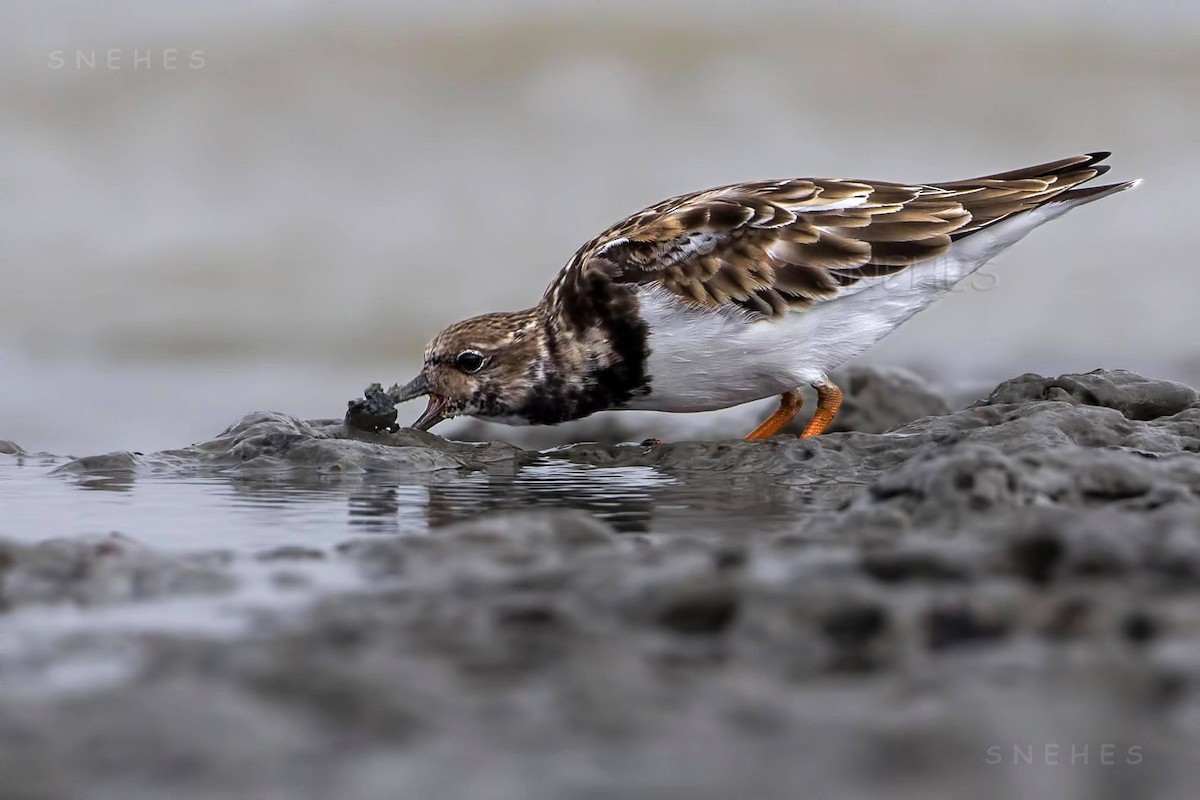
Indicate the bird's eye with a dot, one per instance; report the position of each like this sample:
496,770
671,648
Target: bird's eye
469,361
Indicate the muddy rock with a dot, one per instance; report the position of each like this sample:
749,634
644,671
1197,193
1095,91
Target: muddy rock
108,570
1009,422
1137,398
696,607
267,443
931,560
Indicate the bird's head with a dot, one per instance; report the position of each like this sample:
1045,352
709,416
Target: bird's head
485,367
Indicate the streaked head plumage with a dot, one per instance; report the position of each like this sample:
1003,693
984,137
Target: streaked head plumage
476,367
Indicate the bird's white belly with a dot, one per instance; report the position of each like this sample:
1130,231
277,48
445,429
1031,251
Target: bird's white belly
702,360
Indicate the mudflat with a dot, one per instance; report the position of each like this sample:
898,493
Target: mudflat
1005,596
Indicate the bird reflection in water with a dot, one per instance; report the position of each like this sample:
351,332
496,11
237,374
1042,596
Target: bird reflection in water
631,499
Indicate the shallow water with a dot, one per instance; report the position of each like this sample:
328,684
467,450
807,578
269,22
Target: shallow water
246,515
244,519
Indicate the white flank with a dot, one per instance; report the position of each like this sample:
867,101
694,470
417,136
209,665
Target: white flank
702,360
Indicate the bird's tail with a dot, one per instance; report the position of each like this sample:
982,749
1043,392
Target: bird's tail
1008,205
1071,172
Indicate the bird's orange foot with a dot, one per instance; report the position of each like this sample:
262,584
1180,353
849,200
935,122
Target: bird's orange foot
790,404
829,400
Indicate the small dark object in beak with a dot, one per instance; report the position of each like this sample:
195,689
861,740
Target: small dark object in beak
418,386
374,411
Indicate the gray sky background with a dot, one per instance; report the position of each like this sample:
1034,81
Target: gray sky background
334,183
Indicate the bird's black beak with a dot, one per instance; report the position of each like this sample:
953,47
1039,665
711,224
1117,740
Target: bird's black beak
417,387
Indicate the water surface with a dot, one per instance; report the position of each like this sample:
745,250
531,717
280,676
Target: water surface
249,514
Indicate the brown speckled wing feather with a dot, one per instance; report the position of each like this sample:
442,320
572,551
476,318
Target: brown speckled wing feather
770,247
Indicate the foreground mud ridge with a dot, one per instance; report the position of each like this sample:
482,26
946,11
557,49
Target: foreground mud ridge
940,600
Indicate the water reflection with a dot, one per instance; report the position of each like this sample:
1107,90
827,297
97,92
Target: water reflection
240,511
624,497
377,511
115,482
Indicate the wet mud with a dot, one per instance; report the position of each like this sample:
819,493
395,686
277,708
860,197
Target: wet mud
929,597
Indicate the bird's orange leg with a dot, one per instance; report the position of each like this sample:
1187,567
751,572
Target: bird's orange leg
829,400
790,403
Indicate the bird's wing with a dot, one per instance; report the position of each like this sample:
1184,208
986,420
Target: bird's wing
771,247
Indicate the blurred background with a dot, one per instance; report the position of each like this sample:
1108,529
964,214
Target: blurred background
213,208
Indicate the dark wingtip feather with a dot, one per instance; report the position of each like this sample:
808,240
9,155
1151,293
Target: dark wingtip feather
1049,169
1089,193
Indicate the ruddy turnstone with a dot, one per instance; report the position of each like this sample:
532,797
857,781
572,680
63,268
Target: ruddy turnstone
720,297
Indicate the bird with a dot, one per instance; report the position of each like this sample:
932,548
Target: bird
738,293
